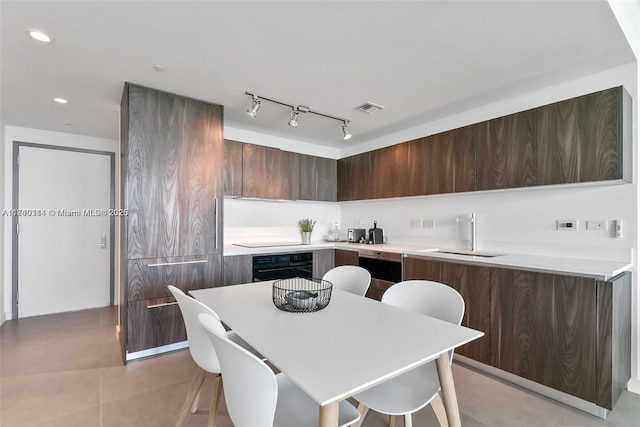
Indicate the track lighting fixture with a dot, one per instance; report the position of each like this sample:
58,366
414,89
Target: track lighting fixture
293,121
345,131
295,112
254,107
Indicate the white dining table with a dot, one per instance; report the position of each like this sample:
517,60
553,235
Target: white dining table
351,345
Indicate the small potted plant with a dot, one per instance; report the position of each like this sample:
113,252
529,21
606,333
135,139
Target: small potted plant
306,227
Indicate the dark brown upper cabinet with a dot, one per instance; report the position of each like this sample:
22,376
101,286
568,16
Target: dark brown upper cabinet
233,168
453,161
270,173
507,152
411,175
352,176
318,178
583,139
172,168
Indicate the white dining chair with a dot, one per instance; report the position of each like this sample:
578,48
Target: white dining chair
203,354
350,278
413,390
256,396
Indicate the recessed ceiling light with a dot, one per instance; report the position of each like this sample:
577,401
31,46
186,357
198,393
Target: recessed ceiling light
40,36
60,100
159,67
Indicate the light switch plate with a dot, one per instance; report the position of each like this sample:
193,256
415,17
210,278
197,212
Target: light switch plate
593,224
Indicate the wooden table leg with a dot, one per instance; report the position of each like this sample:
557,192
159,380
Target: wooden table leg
448,390
329,415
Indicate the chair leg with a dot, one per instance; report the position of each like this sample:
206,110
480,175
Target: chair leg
363,413
194,406
438,409
196,384
215,398
392,421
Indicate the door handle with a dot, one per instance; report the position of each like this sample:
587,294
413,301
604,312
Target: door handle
103,241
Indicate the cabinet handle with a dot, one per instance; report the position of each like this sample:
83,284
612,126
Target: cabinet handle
215,222
160,264
164,304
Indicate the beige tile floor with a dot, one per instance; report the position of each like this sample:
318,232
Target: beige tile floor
65,370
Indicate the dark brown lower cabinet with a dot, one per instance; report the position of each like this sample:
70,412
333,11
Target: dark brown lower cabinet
545,329
613,362
238,269
149,278
568,333
345,257
154,323
322,262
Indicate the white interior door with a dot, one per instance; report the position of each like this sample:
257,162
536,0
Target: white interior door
64,252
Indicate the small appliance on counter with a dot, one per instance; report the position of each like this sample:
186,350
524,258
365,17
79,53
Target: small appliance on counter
355,235
375,235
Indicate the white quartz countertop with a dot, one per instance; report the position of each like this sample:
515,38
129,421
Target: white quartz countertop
599,269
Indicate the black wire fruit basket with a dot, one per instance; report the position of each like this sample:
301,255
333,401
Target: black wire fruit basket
301,295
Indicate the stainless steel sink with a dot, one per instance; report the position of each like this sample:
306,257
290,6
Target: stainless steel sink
464,253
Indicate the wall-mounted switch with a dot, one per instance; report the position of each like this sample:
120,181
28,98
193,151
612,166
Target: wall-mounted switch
618,228
415,223
596,225
567,225
428,223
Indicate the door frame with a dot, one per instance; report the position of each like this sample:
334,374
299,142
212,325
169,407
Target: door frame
14,220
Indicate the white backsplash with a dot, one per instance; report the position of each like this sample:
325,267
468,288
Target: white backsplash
249,221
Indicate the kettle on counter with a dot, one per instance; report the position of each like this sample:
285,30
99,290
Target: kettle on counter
374,235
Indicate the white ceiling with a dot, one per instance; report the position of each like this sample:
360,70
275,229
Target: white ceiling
421,59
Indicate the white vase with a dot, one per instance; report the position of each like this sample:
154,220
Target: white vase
306,237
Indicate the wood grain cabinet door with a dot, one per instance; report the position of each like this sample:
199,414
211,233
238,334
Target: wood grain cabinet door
174,174
153,323
322,262
507,152
474,285
353,174
545,329
270,173
580,139
238,269
318,178
411,165
149,278
453,161
233,168
345,257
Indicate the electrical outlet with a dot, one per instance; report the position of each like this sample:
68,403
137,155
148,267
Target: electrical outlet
567,225
428,223
415,223
597,225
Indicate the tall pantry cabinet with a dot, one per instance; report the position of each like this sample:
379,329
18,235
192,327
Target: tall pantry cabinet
171,167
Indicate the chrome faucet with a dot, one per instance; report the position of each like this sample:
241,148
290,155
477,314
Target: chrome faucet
472,220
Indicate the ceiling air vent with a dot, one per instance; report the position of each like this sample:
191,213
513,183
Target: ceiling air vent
369,108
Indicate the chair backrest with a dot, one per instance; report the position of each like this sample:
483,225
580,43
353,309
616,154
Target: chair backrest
250,386
202,351
350,278
426,297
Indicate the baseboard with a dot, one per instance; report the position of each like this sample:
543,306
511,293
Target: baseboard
634,385
157,350
549,392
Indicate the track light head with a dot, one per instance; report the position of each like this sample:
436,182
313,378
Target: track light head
345,131
253,111
293,121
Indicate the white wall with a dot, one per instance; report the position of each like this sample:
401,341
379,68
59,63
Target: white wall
11,134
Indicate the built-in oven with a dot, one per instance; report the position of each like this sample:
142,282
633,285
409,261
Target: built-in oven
385,269
282,266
